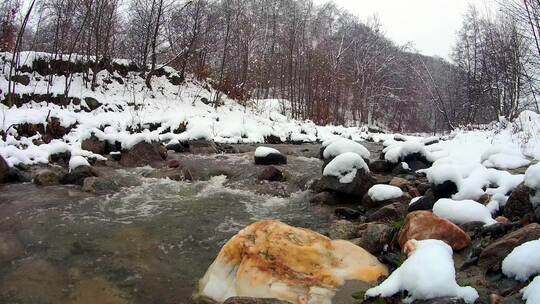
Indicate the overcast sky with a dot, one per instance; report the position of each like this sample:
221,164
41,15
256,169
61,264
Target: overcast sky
429,24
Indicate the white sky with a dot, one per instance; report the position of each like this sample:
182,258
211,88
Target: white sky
430,25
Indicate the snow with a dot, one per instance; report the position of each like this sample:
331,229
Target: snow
345,167
414,200
343,145
532,177
396,152
132,106
523,262
461,212
77,161
426,274
382,192
503,157
405,166
265,151
531,293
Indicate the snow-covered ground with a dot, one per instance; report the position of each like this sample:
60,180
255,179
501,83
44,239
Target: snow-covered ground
131,105
131,113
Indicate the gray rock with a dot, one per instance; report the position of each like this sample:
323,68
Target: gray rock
375,237
100,185
202,146
92,103
271,159
78,175
343,230
22,79
380,166
357,188
325,198
4,170
492,256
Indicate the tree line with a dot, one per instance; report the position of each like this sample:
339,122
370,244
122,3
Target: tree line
330,66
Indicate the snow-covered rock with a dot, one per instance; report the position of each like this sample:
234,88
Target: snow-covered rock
269,259
382,192
531,293
461,212
77,161
427,273
503,157
344,145
532,180
345,166
523,262
269,156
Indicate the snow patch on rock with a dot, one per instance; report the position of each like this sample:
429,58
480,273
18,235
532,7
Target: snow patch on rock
345,166
381,192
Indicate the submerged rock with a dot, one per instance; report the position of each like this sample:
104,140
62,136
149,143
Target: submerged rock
272,174
423,225
273,260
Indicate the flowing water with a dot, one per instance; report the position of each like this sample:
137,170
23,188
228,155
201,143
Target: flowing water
143,244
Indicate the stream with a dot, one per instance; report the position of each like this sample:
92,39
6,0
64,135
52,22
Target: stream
148,243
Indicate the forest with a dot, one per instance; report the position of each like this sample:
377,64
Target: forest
322,61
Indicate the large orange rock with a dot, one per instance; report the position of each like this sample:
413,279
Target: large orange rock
269,259
423,225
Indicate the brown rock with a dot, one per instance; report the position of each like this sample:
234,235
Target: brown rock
492,256
413,192
519,203
389,213
423,225
402,183
94,145
502,219
484,199
143,154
